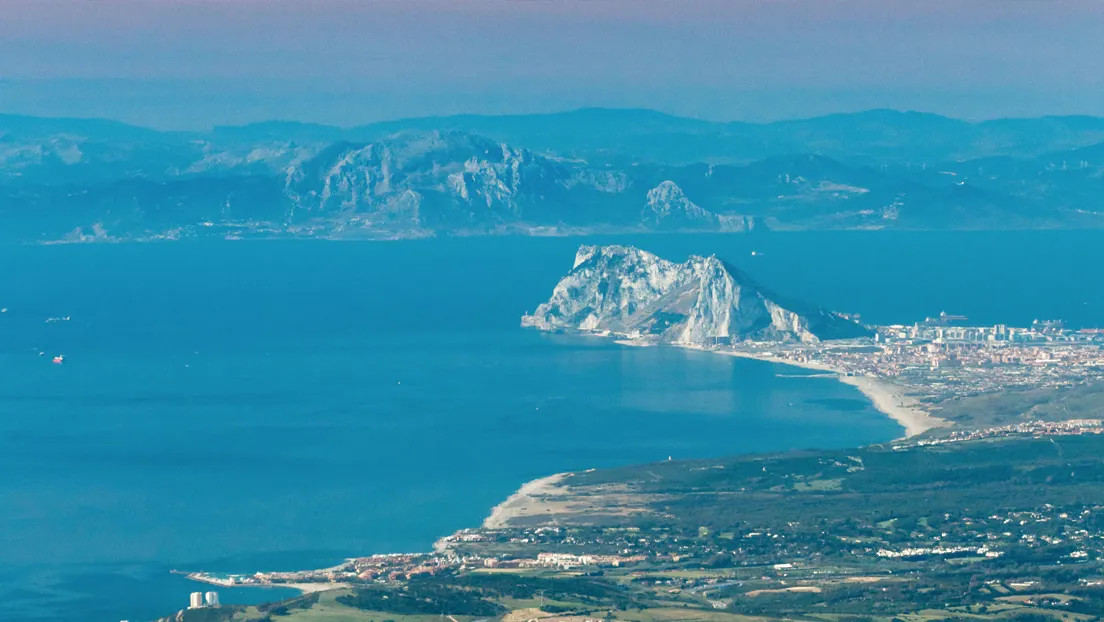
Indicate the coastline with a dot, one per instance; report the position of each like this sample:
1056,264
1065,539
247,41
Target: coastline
522,502
886,397
891,399
303,588
538,497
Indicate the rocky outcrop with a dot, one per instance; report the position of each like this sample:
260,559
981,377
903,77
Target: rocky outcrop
669,208
704,301
457,182
433,179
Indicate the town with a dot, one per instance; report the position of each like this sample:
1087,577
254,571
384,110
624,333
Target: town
938,360
1011,521
1010,517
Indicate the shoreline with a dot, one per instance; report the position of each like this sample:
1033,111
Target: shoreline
885,396
303,588
531,499
890,398
518,504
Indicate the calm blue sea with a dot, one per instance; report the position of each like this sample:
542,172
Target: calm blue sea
278,405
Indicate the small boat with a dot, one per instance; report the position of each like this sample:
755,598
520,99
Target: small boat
59,359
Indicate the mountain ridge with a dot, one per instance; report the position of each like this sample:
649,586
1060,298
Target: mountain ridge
592,170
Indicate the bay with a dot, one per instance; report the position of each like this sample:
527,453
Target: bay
279,405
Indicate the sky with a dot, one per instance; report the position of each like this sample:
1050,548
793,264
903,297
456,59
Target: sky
191,64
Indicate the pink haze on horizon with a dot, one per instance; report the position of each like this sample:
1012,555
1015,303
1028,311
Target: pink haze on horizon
702,57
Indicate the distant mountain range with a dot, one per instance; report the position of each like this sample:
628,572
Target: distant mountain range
628,292
586,171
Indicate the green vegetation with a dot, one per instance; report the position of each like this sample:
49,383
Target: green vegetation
1003,530
824,494
1009,407
318,607
907,531
583,593
422,597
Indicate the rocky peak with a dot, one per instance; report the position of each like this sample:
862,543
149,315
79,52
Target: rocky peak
703,301
669,208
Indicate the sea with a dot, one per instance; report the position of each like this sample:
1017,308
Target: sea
238,406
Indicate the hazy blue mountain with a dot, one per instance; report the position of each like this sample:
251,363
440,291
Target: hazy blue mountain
871,137
278,131
1090,156
584,171
29,127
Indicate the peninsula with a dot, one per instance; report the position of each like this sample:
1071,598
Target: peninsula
928,376
707,304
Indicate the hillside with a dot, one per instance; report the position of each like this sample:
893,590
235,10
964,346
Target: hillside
582,172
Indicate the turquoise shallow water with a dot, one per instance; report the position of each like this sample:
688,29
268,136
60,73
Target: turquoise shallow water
277,405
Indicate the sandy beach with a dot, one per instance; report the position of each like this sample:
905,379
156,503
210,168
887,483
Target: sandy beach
523,502
886,396
533,497
774,359
891,399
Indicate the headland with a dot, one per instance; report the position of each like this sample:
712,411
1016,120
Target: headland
531,496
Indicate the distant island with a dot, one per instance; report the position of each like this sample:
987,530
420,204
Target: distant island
584,172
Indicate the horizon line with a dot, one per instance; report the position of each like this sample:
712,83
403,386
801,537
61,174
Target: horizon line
563,112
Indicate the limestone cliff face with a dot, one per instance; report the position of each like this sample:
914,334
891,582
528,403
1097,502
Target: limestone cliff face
704,301
669,208
415,180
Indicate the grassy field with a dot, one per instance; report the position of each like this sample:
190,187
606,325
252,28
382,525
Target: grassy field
680,614
327,609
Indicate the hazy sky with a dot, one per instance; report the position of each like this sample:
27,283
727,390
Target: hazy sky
194,63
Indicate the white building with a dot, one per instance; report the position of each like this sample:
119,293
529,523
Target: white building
196,600
212,599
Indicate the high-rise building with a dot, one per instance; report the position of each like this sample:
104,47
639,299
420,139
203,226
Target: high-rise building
212,599
196,600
